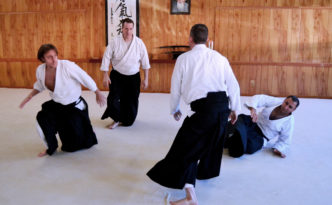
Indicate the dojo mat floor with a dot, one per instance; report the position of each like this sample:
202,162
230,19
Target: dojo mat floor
114,171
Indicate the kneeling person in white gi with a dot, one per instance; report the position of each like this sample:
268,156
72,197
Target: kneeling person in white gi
126,52
67,112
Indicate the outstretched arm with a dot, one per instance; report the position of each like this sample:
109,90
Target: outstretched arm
28,98
261,101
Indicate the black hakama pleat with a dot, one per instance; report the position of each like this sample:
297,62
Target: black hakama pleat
122,100
72,124
196,152
246,137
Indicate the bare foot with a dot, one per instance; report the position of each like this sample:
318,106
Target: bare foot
43,153
189,200
113,125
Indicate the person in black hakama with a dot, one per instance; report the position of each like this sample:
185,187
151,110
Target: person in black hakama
206,81
67,112
126,53
275,121
70,122
122,101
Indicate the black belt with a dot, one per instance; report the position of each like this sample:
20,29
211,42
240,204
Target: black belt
214,101
260,131
78,101
266,138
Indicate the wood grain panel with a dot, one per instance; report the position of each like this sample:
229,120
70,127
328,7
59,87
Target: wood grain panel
295,30
329,43
2,35
252,78
244,52
286,35
230,32
97,33
319,85
266,80
277,47
284,40
85,30
220,44
329,82
303,80
290,82
234,41
4,79
306,36
321,36
266,30
256,35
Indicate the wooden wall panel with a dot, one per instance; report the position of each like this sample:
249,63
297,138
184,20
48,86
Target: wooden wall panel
305,37
159,28
295,23
244,52
284,80
321,35
329,42
256,34
319,85
221,19
277,35
4,79
275,3
329,82
276,47
76,27
275,44
266,81
266,50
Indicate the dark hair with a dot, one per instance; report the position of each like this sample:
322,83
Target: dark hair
126,20
294,99
44,49
199,33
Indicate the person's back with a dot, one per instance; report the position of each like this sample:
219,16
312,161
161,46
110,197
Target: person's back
203,78
204,69
201,71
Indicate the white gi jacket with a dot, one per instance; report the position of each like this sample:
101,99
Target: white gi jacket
281,128
68,81
200,71
125,61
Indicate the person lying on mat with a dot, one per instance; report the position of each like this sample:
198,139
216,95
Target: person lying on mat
251,132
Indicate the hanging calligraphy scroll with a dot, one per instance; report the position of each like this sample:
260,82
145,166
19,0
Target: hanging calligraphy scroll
117,10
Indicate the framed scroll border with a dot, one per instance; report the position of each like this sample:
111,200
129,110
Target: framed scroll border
112,28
